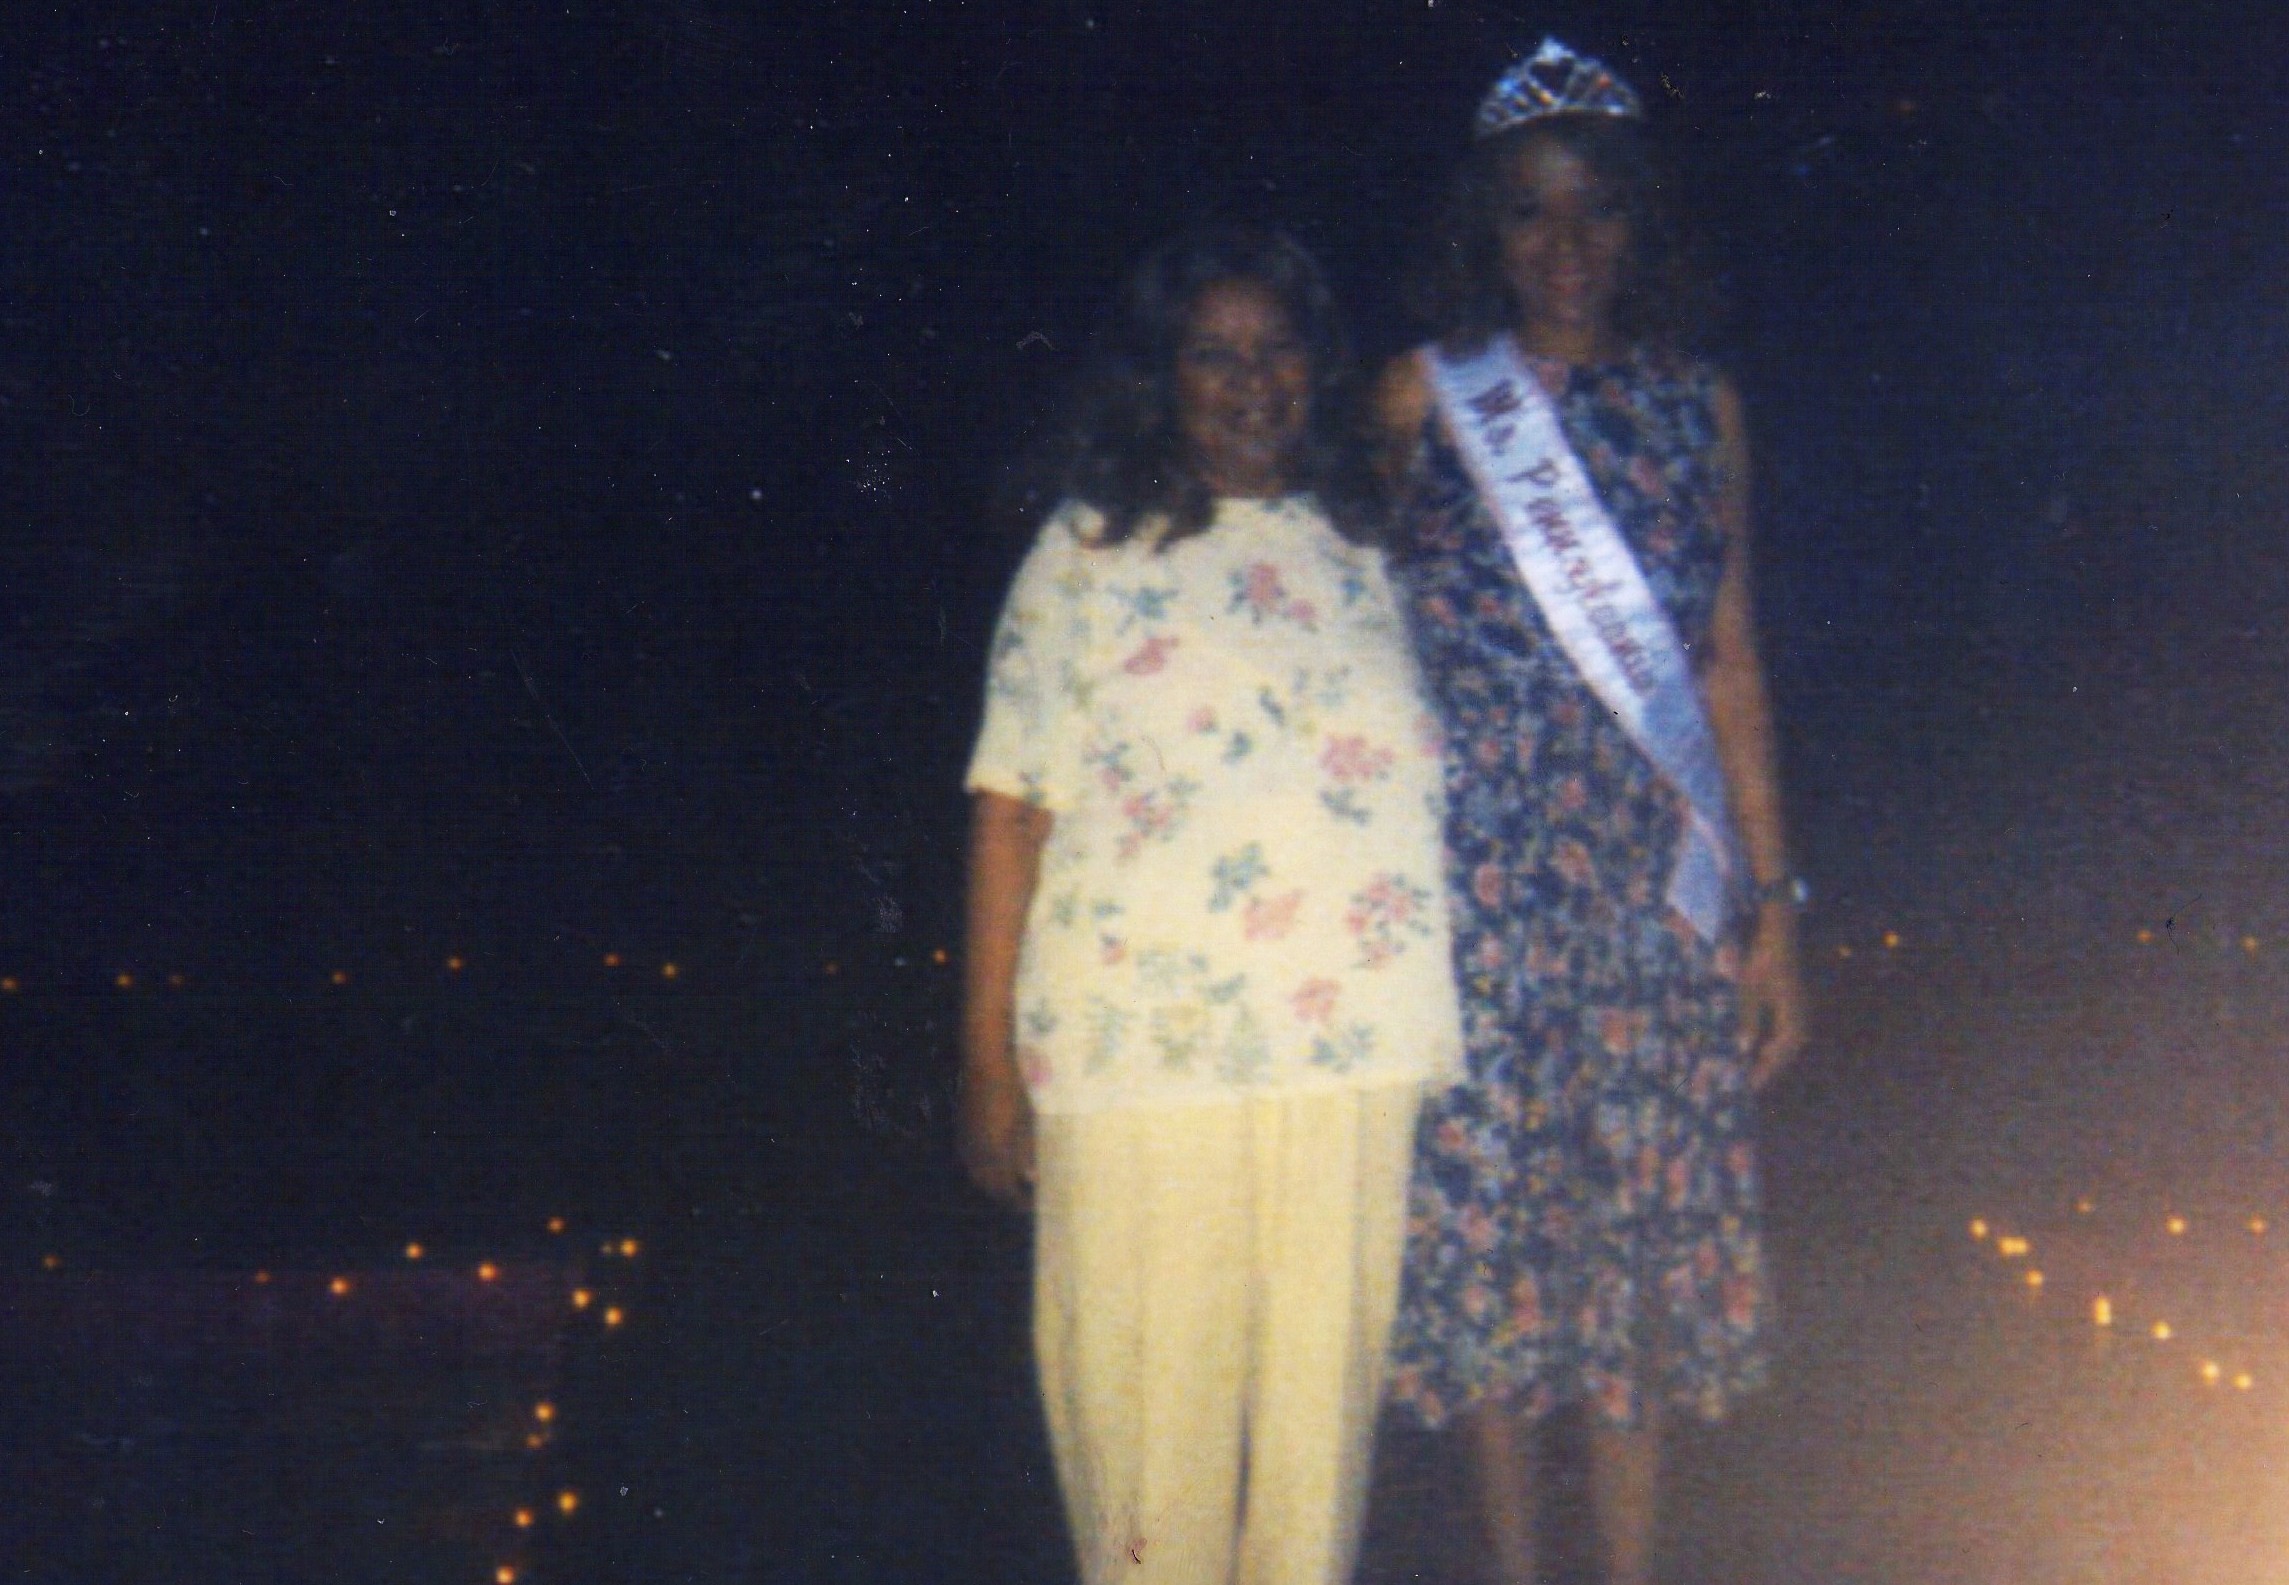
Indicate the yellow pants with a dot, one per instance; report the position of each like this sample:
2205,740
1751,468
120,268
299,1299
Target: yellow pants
1213,1293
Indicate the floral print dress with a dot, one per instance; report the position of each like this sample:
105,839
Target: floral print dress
1583,1224
1242,893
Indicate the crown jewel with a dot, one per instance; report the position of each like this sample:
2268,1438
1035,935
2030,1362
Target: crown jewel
1553,81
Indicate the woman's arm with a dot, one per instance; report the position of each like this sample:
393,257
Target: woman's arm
995,1120
1740,714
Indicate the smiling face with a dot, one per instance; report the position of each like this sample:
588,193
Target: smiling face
1564,235
1243,389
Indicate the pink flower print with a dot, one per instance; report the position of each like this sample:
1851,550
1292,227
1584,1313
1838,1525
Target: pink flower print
1572,862
1314,1000
1573,795
1430,738
1261,590
1111,950
1486,886
1618,1031
1270,919
1676,1181
1477,1301
1526,1306
1384,916
1477,1229
1740,1296
1034,1065
1201,720
1153,814
1150,657
1647,478
1353,760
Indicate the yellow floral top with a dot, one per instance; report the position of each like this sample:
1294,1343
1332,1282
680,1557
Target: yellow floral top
1242,890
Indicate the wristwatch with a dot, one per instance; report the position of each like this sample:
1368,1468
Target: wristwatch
1789,889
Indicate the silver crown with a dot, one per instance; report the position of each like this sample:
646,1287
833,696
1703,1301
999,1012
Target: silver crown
1553,81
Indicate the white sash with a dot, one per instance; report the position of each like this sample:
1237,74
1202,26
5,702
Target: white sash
1581,573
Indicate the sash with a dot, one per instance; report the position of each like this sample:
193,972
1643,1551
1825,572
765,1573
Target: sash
1581,573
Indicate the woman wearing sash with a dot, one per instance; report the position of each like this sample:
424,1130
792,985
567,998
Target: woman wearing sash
1584,1222
1208,969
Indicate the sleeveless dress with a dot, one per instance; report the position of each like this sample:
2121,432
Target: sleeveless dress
1583,1224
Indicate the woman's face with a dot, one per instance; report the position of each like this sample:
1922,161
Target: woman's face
1565,237
1243,389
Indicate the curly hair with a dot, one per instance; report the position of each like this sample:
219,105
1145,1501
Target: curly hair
1117,446
1457,287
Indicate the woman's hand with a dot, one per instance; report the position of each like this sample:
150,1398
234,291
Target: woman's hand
994,1126
1774,1016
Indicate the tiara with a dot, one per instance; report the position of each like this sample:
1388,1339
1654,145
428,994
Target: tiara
1553,81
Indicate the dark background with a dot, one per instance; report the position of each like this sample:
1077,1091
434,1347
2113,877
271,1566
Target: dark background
506,480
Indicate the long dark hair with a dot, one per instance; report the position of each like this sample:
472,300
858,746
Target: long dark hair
1115,443
1666,303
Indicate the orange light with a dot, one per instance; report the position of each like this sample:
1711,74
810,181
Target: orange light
556,1224
613,1315
454,965
2243,1382
51,1262
2162,1331
504,1575
2083,1206
938,956
414,1252
535,1442
524,1518
1844,951
582,1298
2257,1225
1891,941
487,1271
340,976
9,985
125,982
2145,938
567,1502
176,982
339,1287
2175,1226
2034,1279
261,1278
1979,1227
2102,1311
2211,1372
834,968
629,1248
544,1412
2249,945
611,960
2012,1248
669,971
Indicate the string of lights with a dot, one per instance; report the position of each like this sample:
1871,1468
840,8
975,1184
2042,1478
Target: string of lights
628,968
2197,1291
422,1307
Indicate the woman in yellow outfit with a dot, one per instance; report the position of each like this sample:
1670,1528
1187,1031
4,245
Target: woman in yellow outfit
1208,962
